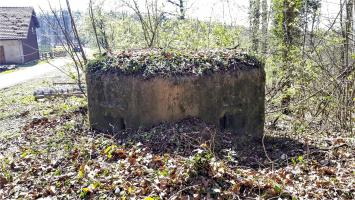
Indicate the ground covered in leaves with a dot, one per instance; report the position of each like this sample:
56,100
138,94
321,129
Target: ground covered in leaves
54,155
156,62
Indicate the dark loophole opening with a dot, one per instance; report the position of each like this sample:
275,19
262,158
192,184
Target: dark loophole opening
122,124
223,122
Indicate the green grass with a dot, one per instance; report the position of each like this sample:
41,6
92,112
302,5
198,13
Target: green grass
18,105
8,71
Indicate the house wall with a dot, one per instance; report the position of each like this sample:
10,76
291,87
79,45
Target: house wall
30,45
13,51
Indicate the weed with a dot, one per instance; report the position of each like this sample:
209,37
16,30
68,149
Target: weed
58,172
27,100
201,161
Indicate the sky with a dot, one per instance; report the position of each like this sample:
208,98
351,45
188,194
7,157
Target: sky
228,11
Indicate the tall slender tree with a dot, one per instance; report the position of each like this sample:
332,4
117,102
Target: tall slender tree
181,6
264,28
150,19
287,33
254,17
93,23
348,31
347,91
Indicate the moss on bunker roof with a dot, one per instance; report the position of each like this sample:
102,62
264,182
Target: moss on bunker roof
156,62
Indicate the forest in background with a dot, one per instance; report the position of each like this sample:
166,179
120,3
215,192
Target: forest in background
49,150
309,64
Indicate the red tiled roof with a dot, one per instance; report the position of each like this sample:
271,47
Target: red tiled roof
15,22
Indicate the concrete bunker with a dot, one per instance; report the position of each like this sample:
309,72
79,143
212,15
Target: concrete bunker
140,89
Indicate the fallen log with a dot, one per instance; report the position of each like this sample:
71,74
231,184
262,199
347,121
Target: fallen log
57,91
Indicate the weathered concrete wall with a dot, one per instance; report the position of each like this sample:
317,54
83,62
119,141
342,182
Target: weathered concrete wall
230,100
13,51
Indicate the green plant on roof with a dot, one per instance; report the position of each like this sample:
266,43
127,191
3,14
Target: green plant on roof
171,62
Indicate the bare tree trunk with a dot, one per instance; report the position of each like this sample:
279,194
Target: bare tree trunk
92,18
255,24
348,30
305,27
68,44
346,89
314,17
342,31
349,83
150,22
264,27
182,8
76,32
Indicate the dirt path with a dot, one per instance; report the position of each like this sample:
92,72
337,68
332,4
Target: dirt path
34,72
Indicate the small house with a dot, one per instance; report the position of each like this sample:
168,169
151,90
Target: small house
18,38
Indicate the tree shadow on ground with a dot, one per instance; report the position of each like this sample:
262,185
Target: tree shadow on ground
185,137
